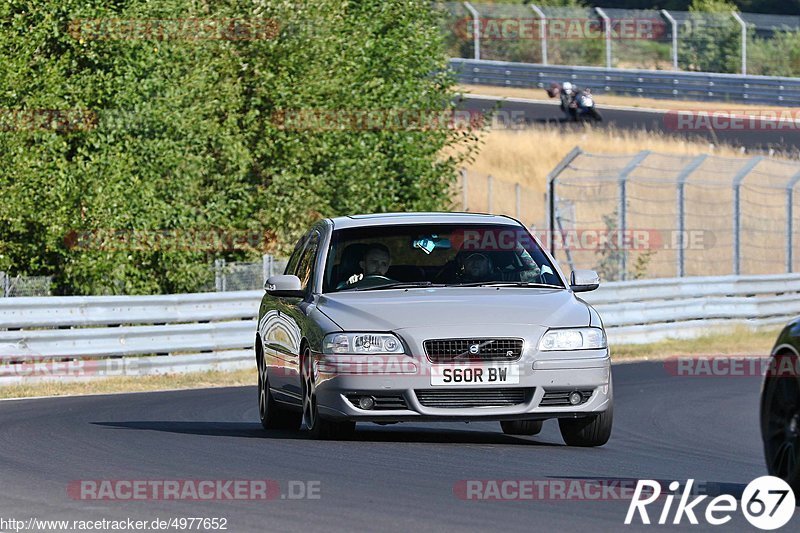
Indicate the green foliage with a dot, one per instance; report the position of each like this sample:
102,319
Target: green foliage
778,56
710,41
185,138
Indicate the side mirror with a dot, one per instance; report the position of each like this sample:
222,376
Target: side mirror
284,285
584,280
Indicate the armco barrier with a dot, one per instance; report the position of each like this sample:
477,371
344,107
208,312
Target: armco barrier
197,332
673,85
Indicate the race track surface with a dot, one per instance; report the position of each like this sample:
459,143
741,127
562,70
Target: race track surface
390,478
784,140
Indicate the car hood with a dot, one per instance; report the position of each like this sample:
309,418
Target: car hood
392,310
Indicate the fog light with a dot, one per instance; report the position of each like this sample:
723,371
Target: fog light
366,402
575,398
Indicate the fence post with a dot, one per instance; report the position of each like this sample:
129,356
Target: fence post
743,24
682,178
542,31
219,275
789,222
666,15
737,212
607,24
489,183
267,266
623,210
551,194
5,283
518,199
464,189
476,29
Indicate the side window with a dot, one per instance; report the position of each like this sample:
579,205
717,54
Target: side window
291,265
305,268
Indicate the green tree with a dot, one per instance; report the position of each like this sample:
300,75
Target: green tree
710,40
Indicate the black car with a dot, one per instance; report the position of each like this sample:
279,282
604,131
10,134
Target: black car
780,408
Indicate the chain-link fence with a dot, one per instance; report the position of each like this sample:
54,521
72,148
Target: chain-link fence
25,285
729,42
654,215
482,193
246,276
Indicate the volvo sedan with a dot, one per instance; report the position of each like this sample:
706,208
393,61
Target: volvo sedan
431,317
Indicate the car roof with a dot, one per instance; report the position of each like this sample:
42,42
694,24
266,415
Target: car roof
388,219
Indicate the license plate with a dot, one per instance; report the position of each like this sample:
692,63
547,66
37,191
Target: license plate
474,375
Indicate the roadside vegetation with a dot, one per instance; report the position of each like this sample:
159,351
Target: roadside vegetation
107,129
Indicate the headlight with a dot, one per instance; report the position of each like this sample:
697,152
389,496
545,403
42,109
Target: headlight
361,343
573,339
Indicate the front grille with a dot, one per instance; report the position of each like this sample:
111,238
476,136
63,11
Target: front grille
454,350
560,398
463,398
383,402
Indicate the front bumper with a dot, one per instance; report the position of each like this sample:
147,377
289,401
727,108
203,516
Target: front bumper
338,383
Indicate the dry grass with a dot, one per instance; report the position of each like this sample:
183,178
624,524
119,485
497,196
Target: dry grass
196,380
527,156
740,341
628,101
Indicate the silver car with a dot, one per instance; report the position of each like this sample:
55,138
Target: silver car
431,317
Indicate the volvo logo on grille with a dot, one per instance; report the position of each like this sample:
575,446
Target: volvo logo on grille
475,349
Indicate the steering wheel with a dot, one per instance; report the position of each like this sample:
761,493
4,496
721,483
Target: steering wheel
375,279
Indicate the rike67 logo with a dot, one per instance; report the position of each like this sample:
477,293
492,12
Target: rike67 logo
767,503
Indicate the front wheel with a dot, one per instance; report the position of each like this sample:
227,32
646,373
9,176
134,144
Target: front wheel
521,427
319,427
589,431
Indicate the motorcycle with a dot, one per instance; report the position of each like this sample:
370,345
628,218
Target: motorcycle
582,107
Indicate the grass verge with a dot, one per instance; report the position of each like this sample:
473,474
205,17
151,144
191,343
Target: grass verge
741,341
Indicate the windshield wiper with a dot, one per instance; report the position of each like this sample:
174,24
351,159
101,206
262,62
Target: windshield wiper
500,283
401,285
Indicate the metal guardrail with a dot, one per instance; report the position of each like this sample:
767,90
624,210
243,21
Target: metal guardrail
650,83
198,332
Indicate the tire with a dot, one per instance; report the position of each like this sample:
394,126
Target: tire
521,427
318,427
587,432
780,421
595,115
271,413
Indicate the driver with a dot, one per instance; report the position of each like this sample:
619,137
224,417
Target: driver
477,267
376,262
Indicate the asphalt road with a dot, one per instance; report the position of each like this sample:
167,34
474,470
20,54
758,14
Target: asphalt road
784,139
389,478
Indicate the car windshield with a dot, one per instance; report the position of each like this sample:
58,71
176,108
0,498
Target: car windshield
425,255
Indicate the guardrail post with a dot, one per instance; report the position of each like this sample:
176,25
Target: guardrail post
489,199
743,24
542,31
666,15
737,212
682,178
607,24
476,29
790,222
623,210
552,177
